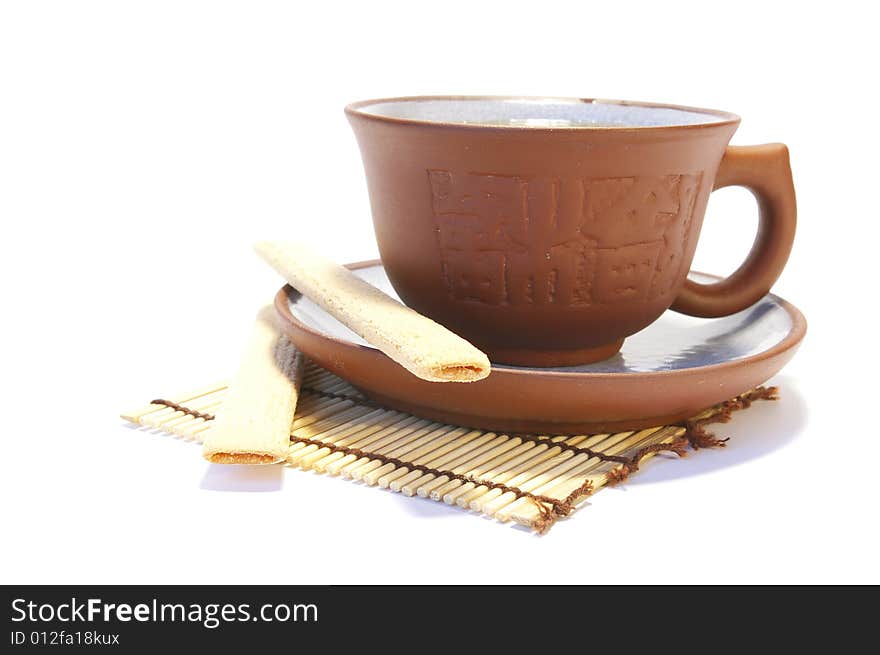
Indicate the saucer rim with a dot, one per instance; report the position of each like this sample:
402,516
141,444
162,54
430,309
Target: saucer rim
791,340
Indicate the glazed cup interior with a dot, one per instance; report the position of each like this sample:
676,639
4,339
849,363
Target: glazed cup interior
538,112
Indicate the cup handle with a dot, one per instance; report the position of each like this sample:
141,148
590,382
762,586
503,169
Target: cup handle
765,171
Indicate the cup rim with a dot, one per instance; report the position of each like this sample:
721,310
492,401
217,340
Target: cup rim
724,118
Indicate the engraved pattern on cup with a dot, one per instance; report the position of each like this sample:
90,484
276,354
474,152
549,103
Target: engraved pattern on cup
514,240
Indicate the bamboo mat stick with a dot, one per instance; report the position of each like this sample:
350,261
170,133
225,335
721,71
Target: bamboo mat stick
600,476
455,489
317,430
323,409
549,456
553,458
406,484
390,435
349,464
472,467
612,445
376,436
435,459
482,493
159,419
319,381
167,412
312,404
365,464
495,506
504,469
363,438
537,482
208,408
341,387
528,514
579,465
496,471
193,430
504,472
348,423
326,384
562,486
434,435
438,438
435,448
135,415
343,434
313,408
459,466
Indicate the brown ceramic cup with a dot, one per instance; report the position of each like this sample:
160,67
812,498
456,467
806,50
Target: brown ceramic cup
547,230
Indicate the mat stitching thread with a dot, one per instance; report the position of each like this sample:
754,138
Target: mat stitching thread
361,400
180,408
696,432
574,449
696,436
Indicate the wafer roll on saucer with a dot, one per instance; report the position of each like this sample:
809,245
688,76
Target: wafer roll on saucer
422,346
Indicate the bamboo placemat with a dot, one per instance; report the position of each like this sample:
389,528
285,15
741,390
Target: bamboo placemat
530,479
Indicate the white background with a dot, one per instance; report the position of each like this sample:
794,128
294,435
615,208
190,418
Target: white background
145,145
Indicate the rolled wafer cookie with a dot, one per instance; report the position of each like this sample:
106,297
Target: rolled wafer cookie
253,424
425,348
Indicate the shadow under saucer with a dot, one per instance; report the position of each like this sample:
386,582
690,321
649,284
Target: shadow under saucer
755,432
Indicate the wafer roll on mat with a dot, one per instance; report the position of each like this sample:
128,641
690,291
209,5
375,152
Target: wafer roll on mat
253,425
425,348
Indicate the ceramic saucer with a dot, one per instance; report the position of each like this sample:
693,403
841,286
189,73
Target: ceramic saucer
671,370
